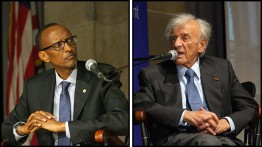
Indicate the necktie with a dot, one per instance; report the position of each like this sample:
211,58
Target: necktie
64,112
192,94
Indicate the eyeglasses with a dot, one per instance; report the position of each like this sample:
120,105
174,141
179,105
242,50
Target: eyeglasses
61,44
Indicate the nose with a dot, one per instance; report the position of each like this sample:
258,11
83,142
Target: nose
67,48
177,43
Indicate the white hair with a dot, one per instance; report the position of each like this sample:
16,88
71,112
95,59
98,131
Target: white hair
181,19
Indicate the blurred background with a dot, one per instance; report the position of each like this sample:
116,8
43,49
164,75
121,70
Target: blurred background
103,34
236,36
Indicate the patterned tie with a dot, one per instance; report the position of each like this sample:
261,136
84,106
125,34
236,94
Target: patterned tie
191,92
64,112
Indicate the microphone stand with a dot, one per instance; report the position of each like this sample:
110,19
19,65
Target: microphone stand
144,58
113,72
147,59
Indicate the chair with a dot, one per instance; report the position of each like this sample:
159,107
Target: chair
252,132
108,138
141,119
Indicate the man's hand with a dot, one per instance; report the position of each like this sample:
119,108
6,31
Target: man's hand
53,126
27,128
198,118
34,122
223,126
205,121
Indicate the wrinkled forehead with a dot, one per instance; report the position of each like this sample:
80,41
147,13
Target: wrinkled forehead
189,27
55,33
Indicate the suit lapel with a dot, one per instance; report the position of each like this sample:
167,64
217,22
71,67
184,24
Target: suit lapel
171,86
210,78
47,93
82,90
171,75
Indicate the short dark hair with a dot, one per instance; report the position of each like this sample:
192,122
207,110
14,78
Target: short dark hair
38,35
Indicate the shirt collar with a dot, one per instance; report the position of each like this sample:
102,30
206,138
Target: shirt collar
196,68
182,70
71,78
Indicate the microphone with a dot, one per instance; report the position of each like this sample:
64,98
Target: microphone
91,65
171,55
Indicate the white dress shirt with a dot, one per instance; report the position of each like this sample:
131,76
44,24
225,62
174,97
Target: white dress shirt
197,80
58,90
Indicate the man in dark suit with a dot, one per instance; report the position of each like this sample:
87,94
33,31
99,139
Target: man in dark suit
221,108
95,103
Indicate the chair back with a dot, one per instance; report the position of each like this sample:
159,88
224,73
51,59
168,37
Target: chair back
252,132
250,87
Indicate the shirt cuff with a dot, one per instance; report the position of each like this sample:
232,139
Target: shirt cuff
67,130
231,123
181,122
17,136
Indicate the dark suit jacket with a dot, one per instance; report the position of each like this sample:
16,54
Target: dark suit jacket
102,106
160,95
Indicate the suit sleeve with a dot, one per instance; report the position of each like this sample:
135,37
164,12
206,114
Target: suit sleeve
19,113
152,100
243,104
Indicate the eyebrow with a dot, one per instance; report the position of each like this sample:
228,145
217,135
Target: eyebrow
183,34
57,42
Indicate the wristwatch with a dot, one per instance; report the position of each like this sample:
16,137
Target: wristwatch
20,123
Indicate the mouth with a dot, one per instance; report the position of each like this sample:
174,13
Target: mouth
71,56
180,53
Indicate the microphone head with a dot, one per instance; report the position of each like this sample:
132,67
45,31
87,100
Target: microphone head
89,63
174,54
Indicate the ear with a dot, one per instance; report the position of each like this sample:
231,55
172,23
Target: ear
43,56
202,45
